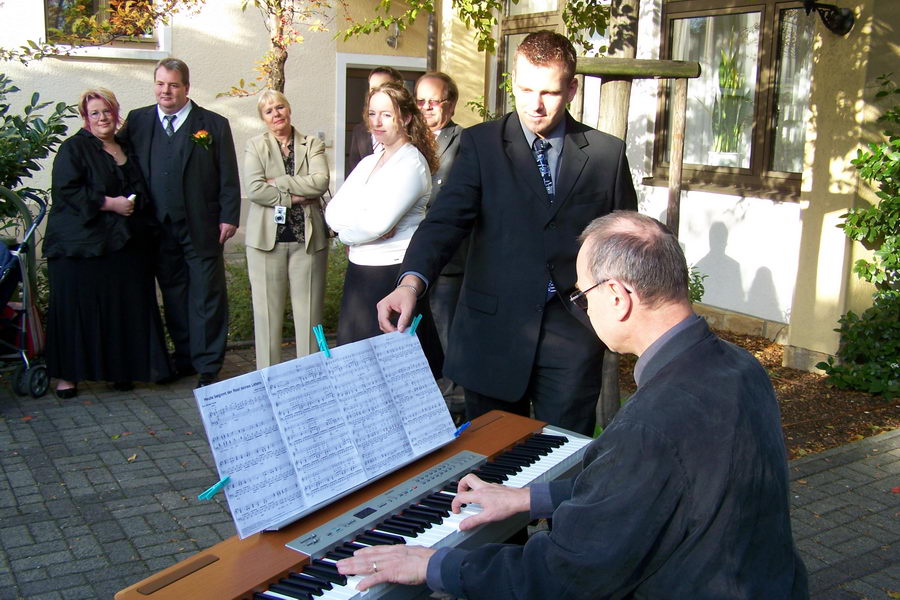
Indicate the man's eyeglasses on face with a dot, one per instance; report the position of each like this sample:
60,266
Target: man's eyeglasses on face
429,103
579,298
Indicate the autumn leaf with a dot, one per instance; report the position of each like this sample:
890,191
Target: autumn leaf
27,418
895,490
132,458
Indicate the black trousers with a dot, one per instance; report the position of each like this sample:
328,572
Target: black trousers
195,300
565,378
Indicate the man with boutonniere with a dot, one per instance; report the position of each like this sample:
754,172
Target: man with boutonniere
186,154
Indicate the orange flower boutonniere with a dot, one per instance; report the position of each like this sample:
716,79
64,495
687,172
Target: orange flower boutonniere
202,139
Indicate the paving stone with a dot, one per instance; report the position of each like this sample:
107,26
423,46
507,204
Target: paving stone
14,537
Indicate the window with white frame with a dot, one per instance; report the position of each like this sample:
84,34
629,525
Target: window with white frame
69,22
746,113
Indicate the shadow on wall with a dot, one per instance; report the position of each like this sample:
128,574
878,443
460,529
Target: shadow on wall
724,287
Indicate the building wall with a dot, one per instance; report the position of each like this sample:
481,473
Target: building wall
844,78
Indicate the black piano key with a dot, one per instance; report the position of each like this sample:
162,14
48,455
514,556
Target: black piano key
307,579
290,591
419,525
436,505
489,477
539,446
512,463
373,538
398,529
528,454
417,512
323,573
559,440
340,552
440,512
417,518
499,469
352,547
441,498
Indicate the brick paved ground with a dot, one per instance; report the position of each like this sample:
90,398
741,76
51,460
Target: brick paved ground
99,492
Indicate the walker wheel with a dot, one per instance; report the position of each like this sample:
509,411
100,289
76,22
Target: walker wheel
38,381
20,380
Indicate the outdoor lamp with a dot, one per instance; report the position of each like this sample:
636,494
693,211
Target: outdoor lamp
837,20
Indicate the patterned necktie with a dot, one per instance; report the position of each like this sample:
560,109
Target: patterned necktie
170,129
539,149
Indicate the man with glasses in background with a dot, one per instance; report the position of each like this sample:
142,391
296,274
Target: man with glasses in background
436,97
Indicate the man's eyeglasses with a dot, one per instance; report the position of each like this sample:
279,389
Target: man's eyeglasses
429,103
579,298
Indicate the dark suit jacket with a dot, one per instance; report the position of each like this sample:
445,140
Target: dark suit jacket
684,495
209,179
518,241
360,147
447,149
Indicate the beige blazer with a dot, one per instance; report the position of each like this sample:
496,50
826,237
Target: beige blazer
262,161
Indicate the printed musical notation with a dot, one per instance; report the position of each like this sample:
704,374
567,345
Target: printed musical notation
301,433
248,446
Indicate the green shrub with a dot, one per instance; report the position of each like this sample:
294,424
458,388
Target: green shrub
870,349
870,343
696,289
24,140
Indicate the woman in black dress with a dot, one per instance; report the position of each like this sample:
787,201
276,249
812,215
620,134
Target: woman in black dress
103,322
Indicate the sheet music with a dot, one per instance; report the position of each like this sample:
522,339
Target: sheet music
247,446
318,438
306,431
421,406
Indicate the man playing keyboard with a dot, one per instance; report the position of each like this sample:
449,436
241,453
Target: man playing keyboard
684,495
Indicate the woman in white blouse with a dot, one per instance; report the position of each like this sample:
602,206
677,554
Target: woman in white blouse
378,209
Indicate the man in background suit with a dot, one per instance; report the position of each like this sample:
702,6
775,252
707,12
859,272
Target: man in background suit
436,97
684,495
187,156
361,142
523,187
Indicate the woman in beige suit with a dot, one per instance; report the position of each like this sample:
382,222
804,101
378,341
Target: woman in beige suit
287,246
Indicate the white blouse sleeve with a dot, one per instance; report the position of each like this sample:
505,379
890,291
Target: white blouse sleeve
363,211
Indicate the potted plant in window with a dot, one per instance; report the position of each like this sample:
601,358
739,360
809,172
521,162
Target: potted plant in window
731,109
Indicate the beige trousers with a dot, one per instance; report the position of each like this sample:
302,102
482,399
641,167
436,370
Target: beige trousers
271,274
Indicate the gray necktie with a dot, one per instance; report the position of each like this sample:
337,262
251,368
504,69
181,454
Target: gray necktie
170,129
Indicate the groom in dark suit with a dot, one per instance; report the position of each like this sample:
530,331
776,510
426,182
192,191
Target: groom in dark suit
187,156
523,188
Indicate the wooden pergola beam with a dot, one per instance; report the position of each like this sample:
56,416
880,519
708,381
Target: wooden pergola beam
637,68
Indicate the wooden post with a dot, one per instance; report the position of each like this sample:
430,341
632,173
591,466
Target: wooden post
676,154
615,100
